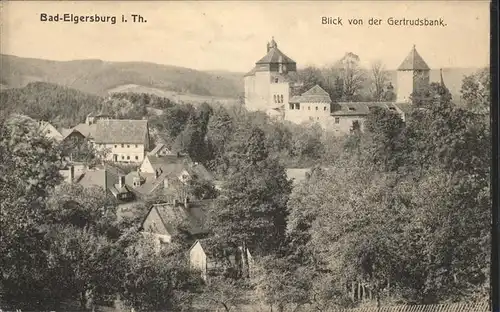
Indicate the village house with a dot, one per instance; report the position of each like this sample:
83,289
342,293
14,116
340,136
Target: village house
268,89
203,260
109,178
50,131
123,140
166,175
161,150
165,220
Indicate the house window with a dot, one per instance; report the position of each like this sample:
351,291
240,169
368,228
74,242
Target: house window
281,98
136,145
317,118
128,157
123,157
128,146
116,146
311,118
337,120
136,157
123,145
298,105
309,107
291,106
316,107
324,108
276,80
352,109
275,100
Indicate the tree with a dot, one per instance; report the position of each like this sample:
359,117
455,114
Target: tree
29,169
475,91
251,210
379,80
352,76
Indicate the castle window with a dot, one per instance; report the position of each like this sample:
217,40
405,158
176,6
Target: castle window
337,120
116,146
276,80
123,145
128,146
136,157
281,98
324,108
128,157
316,107
123,157
136,145
298,105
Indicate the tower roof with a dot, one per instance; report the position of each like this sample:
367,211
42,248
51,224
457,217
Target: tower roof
274,55
413,62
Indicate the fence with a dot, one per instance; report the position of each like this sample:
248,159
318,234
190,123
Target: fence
453,307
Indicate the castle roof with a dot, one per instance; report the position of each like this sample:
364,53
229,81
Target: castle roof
362,108
314,95
275,56
413,62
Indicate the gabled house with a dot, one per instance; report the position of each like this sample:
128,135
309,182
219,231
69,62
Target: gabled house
124,140
109,178
166,220
202,258
50,131
166,175
161,150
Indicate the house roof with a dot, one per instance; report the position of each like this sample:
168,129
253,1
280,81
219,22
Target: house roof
169,166
413,61
88,131
275,56
361,108
106,178
121,131
157,149
194,216
314,95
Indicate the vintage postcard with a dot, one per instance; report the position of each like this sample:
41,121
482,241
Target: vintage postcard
245,156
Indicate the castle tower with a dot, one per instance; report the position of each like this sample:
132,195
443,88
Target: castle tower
412,75
266,86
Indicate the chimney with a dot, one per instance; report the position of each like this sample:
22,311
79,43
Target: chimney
158,172
186,202
121,181
71,177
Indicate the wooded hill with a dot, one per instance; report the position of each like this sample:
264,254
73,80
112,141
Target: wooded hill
98,77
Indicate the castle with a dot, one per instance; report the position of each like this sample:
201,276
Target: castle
268,89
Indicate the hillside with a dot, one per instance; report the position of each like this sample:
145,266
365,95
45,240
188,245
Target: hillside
63,106
99,77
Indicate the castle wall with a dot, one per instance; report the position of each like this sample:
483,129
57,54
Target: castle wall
404,85
307,112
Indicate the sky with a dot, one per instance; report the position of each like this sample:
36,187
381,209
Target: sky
232,35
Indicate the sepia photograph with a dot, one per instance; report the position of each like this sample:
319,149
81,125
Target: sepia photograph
245,156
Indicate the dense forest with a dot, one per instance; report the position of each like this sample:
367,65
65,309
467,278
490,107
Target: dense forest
402,209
